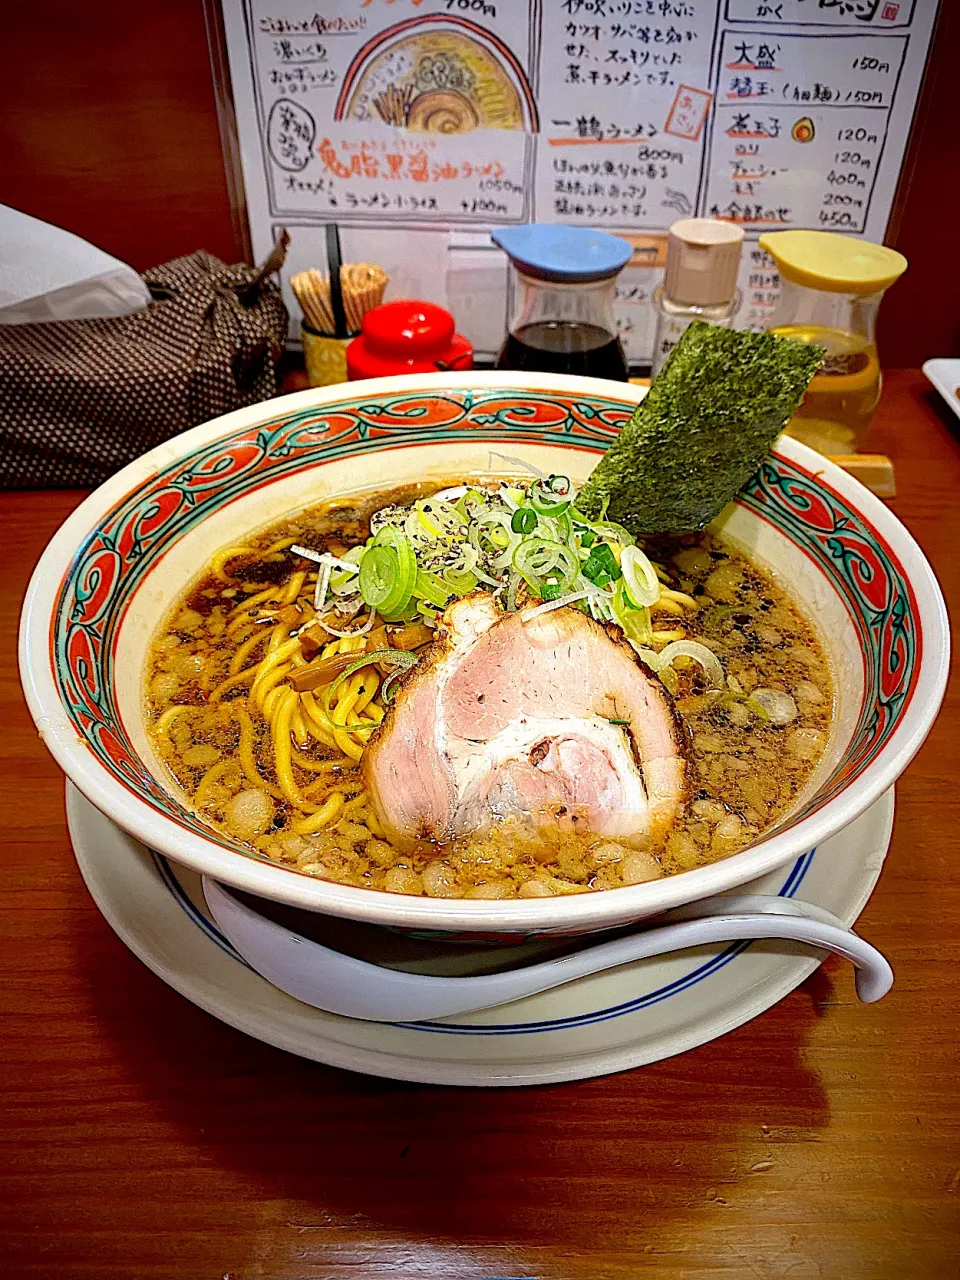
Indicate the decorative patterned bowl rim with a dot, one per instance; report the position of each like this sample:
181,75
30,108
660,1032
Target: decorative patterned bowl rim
921,602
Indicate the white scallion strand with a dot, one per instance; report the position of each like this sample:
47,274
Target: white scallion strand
699,653
323,582
324,557
519,463
548,606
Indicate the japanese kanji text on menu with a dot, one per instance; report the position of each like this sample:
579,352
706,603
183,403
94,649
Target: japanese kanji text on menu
417,125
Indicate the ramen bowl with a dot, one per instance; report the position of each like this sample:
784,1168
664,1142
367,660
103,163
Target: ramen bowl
110,574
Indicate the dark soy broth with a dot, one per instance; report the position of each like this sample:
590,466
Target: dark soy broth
218,672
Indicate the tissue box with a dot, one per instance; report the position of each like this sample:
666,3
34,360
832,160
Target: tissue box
81,398
47,273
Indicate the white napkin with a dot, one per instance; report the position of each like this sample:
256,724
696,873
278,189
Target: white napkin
47,273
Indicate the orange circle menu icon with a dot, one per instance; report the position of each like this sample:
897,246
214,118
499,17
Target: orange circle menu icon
803,130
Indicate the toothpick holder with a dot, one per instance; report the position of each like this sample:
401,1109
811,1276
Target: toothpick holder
325,356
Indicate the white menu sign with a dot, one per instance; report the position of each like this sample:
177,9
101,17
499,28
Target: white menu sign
417,125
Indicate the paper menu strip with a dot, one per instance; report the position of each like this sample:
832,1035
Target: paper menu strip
794,145
417,116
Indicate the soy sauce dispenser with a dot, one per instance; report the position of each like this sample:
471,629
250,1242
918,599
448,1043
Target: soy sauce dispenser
560,300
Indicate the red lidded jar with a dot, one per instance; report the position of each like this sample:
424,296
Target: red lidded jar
407,336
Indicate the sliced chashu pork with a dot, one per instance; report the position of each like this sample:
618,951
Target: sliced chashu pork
514,717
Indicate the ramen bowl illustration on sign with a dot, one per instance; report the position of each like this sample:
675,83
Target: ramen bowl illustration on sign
438,75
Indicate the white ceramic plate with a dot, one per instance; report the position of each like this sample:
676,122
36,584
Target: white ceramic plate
625,1018
945,376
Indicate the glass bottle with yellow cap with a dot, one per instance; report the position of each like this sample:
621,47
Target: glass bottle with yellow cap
832,289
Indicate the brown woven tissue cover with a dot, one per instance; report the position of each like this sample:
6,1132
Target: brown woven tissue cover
80,398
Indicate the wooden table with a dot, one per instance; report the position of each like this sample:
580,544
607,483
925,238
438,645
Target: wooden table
144,1140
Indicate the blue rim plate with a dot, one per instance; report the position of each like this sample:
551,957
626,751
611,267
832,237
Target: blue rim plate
631,1016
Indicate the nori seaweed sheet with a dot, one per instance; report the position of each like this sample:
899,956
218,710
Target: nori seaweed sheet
702,429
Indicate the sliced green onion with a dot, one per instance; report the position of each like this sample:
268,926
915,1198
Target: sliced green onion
490,532
343,584
387,578
546,503
668,678
600,605
439,517
418,531
526,532
505,558
537,559
639,578
777,707
399,544
613,532
688,649
379,571
551,497
432,588
388,688
485,577
398,541
468,559
430,526
472,498
524,520
562,526
460,581
601,565
634,622
344,581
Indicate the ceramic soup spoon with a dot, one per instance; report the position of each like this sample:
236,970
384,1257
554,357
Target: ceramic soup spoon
353,988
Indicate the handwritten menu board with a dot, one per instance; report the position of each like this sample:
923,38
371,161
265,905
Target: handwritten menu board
417,125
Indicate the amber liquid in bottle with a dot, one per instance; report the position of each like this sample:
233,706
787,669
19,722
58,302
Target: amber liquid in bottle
844,393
